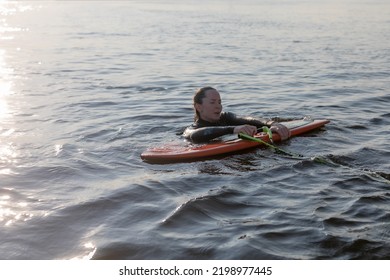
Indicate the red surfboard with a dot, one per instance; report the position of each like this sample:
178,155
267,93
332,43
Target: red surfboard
193,152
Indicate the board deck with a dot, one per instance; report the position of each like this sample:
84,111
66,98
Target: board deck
192,152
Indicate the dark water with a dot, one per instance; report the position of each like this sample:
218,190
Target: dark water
87,86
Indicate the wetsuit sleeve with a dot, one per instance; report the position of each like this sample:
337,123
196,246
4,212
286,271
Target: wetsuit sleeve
241,120
205,134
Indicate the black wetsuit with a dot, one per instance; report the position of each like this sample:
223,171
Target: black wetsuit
203,131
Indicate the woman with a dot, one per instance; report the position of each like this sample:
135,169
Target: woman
210,122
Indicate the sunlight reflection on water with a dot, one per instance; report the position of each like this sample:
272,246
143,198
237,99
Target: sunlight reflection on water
5,85
90,250
11,212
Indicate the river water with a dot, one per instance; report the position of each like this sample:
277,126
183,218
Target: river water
86,86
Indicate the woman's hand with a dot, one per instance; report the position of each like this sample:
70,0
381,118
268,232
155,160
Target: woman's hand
280,129
246,128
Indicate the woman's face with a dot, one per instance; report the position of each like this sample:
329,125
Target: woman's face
211,107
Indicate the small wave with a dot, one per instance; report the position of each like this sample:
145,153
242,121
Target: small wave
137,89
337,247
199,208
375,199
352,163
93,104
133,249
336,221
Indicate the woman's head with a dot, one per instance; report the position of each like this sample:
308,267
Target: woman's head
207,104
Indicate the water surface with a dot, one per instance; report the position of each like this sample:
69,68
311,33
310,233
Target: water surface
86,86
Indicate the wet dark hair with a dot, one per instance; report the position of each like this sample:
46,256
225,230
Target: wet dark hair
198,98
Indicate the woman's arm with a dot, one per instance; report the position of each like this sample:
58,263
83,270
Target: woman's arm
277,127
233,119
205,134
230,124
